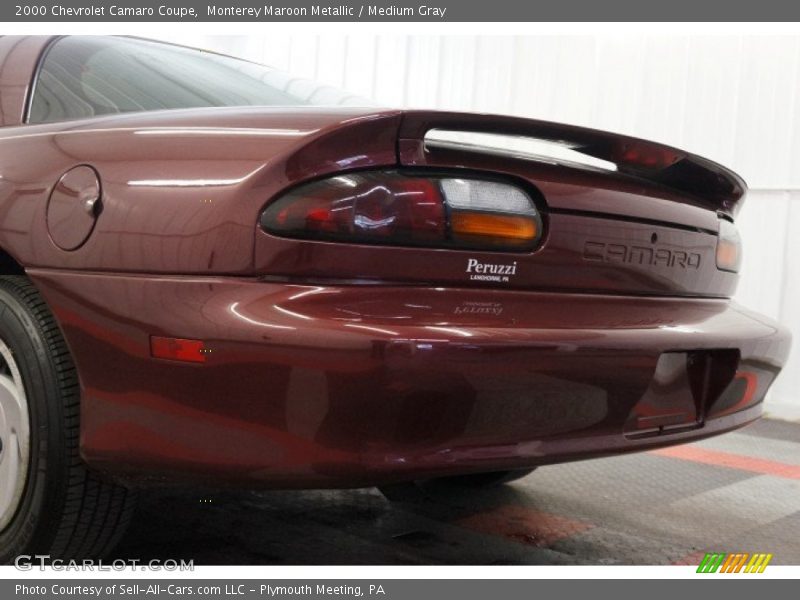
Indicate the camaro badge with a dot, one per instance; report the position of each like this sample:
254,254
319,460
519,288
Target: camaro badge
640,255
479,271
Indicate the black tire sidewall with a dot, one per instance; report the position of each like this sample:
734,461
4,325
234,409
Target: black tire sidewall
41,506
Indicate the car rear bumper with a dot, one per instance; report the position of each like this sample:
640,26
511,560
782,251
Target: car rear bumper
345,386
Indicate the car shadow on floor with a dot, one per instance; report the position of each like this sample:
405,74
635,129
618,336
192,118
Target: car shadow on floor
739,492
442,525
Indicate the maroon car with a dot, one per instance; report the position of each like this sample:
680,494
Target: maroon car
217,274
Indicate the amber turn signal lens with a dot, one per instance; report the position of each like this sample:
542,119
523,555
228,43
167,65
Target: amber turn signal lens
727,255
494,228
729,247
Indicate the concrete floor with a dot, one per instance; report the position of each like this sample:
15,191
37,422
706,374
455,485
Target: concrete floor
735,493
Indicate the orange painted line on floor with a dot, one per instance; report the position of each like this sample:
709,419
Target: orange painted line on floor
524,525
733,461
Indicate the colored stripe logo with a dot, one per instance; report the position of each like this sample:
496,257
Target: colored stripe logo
739,562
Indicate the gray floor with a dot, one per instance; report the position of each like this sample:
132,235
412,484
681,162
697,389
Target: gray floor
736,493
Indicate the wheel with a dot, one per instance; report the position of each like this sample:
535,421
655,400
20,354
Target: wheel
480,480
50,503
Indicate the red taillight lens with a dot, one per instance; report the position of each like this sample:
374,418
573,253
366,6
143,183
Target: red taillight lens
403,209
362,208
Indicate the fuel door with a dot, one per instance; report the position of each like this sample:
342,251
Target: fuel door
73,207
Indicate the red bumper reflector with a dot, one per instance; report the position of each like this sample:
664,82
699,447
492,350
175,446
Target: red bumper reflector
193,351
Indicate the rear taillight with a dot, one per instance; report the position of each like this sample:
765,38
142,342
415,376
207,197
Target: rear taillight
729,247
390,207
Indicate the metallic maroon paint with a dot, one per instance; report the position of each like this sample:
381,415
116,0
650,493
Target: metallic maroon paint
348,365
73,207
357,385
182,190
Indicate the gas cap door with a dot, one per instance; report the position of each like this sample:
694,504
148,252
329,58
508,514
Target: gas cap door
73,207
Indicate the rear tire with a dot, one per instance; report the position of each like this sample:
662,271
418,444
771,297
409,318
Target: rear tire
55,505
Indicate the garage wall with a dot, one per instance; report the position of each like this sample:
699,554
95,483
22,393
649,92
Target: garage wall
735,99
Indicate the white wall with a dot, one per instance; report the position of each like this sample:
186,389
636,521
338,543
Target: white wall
735,99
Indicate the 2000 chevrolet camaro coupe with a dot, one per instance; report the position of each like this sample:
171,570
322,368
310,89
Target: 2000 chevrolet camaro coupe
212,273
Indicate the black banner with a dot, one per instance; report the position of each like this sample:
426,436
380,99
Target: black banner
391,589
398,10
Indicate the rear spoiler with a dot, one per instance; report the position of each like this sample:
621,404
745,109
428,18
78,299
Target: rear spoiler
716,186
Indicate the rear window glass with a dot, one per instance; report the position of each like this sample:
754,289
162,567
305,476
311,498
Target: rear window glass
87,76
